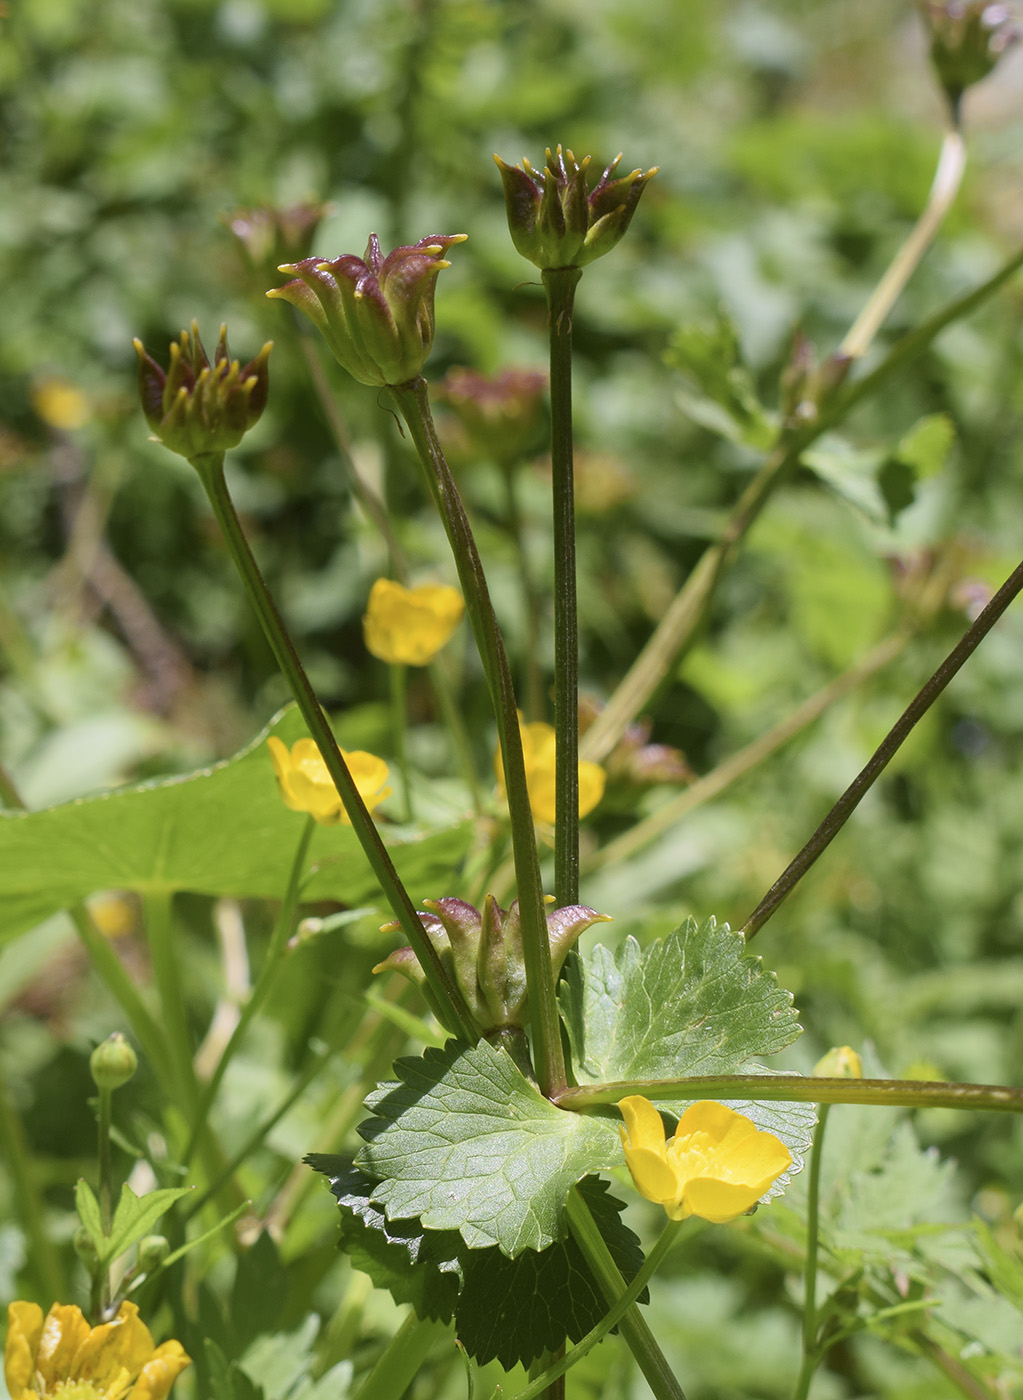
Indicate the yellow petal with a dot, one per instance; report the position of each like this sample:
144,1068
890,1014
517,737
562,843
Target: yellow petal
592,779
115,1352
652,1176
24,1329
64,1331
719,1201
159,1374
369,774
714,1119
643,1123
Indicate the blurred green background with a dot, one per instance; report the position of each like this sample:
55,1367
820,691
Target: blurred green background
796,141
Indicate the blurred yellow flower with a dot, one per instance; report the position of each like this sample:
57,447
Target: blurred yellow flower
62,1356
60,403
408,626
306,786
538,752
840,1063
717,1165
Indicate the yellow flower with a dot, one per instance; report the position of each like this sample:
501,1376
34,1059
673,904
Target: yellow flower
306,785
408,626
538,751
60,403
716,1166
62,1356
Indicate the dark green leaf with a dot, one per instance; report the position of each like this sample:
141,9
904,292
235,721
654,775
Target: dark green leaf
511,1310
417,1266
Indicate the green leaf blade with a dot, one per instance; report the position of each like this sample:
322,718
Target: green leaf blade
135,1216
465,1142
693,1003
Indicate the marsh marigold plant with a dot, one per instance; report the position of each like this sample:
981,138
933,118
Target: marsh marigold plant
408,626
717,1165
60,1355
306,785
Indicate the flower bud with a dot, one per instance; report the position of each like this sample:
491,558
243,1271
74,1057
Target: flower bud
499,414
196,408
556,221
113,1062
273,234
967,39
152,1251
839,1063
375,313
85,1247
482,952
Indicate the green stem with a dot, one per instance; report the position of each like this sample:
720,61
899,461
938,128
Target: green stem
372,505
398,678
260,992
28,1195
532,675
748,758
676,629
885,752
947,179
626,1301
560,284
796,1088
640,1339
110,970
159,926
211,471
405,1353
258,1136
441,682
102,1283
413,402
811,1351
687,609
106,1166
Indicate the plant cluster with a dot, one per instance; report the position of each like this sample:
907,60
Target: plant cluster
532,1045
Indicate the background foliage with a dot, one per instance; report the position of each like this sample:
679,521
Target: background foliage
796,141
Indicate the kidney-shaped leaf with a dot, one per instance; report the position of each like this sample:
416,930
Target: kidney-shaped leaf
221,831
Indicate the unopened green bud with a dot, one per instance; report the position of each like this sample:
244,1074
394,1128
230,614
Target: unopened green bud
967,39
152,1251
85,1247
556,221
113,1062
375,313
196,408
840,1063
482,952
